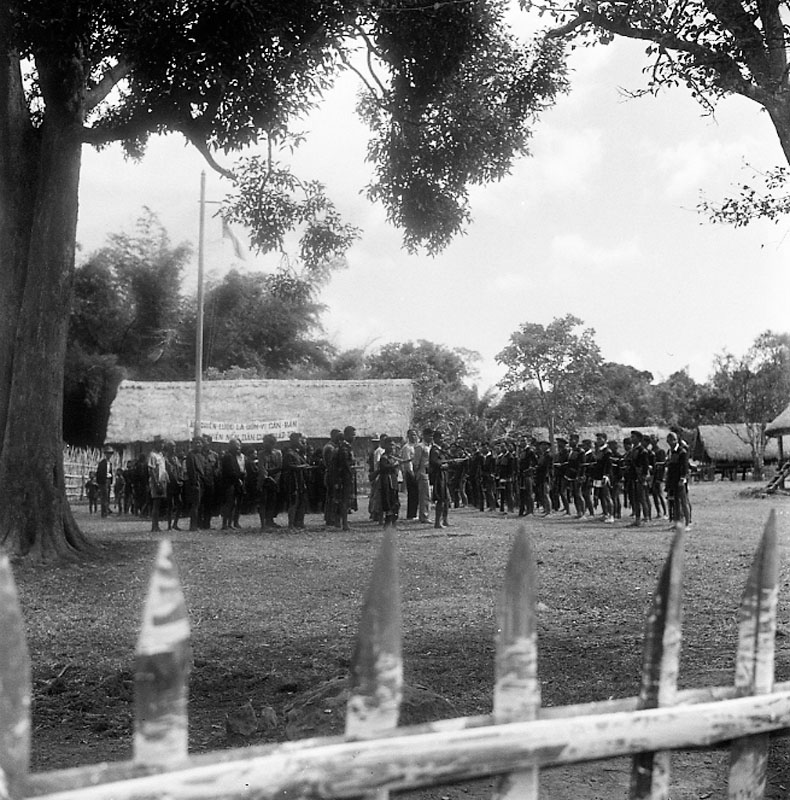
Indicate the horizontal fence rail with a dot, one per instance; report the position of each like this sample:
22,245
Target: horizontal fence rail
375,756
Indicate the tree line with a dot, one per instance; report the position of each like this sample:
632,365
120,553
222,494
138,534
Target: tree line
131,319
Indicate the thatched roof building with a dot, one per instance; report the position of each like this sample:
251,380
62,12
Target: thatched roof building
781,425
142,410
728,444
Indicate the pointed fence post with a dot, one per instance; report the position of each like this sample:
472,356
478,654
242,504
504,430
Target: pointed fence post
14,688
162,662
516,687
754,662
650,772
376,680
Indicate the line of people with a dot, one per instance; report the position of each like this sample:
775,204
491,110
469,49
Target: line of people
581,477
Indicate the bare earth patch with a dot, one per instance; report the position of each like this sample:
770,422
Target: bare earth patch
273,618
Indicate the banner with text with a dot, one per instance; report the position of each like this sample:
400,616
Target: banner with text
245,432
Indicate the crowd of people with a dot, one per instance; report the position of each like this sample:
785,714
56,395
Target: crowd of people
581,477
517,475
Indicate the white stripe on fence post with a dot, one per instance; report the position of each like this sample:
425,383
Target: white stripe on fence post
14,688
754,662
162,662
650,771
516,687
376,680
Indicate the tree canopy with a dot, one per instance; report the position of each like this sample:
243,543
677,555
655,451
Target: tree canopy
557,359
225,75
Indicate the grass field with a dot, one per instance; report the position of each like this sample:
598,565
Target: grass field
274,615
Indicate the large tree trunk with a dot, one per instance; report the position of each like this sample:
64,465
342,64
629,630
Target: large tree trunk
37,242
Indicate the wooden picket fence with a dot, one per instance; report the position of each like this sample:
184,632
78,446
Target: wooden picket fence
375,756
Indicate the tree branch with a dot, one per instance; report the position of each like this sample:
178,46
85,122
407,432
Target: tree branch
106,84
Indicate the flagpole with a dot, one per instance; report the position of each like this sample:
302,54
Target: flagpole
199,325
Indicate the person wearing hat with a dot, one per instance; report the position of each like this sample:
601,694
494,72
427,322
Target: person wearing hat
104,478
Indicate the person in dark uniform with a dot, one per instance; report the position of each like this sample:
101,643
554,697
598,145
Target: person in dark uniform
270,467
438,466
527,461
104,477
543,477
345,477
639,468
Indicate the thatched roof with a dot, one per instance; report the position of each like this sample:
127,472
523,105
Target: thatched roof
728,443
141,410
781,425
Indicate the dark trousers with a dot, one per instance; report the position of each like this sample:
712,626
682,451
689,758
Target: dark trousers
412,493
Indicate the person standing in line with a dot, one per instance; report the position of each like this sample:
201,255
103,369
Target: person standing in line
410,479
527,461
639,466
104,477
270,467
345,475
328,459
421,460
119,487
627,473
194,468
157,480
659,470
438,466
602,476
233,471
543,477
677,472
294,483
128,488
617,479
175,484
574,474
374,509
92,493
488,472
388,467
212,490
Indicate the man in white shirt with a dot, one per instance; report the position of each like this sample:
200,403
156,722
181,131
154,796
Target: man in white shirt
422,453
410,479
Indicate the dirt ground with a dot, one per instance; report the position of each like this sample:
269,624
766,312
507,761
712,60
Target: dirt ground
273,617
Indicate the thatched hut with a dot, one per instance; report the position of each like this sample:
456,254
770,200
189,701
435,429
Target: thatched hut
778,429
726,449
247,408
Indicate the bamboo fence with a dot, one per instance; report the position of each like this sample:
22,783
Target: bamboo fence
375,756
78,462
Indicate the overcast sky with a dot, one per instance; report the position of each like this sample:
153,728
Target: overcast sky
599,221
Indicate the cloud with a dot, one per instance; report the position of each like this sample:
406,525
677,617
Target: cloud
574,249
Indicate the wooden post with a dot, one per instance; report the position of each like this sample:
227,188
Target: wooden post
376,680
754,662
516,687
162,664
650,771
14,688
